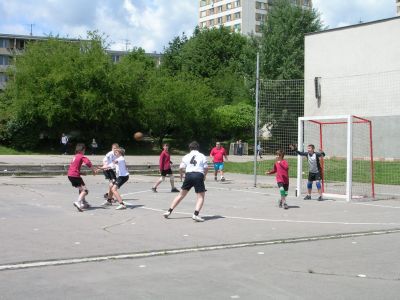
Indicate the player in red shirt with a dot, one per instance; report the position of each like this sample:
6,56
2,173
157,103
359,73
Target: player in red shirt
74,175
217,154
165,170
281,169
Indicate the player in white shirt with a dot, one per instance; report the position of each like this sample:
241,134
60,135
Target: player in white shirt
109,173
122,175
196,167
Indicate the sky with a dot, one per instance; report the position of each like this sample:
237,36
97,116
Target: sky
150,24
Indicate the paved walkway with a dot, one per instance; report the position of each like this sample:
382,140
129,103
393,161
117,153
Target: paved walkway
96,159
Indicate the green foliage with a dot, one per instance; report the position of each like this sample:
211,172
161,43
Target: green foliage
203,90
211,50
178,107
283,40
234,121
217,56
172,60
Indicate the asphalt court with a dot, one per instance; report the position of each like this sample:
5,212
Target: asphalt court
240,251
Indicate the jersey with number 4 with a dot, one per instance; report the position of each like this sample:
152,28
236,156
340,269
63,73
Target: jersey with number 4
194,162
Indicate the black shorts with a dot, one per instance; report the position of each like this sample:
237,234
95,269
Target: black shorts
195,179
284,185
110,175
314,177
121,180
166,172
76,181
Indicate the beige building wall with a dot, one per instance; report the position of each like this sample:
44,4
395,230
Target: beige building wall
359,67
398,7
359,71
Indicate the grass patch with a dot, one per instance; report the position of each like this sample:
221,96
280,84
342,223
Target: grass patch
10,151
335,170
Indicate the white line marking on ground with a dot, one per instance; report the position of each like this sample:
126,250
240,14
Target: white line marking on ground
68,261
280,220
369,204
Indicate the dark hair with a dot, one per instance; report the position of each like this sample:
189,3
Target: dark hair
312,146
80,147
280,153
194,145
165,144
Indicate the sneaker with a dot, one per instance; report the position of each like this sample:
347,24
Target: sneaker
174,190
222,178
85,204
308,197
154,189
167,214
320,198
285,206
121,206
280,203
197,218
78,206
215,178
107,203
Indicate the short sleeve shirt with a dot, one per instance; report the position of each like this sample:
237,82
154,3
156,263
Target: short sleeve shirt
194,162
218,154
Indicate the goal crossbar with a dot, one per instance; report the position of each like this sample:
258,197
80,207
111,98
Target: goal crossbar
348,120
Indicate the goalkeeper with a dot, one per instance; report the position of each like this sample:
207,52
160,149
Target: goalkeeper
314,173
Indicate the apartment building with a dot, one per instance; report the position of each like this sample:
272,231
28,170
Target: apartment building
12,45
244,16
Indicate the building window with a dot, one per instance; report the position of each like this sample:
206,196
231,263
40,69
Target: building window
203,14
4,59
261,5
258,28
3,78
203,2
4,43
237,27
219,9
236,4
260,17
203,24
228,6
211,11
115,58
228,18
219,20
237,15
211,22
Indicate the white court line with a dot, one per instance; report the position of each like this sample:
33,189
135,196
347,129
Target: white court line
60,262
280,220
385,206
236,190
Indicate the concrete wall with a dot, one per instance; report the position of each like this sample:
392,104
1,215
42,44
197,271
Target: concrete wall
359,67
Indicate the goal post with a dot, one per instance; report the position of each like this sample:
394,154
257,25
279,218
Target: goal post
347,170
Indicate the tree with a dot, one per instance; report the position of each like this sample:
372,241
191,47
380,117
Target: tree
172,60
282,45
234,121
178,107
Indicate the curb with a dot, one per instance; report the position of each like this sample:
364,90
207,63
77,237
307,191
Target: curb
62,169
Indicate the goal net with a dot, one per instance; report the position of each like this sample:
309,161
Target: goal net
347,170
